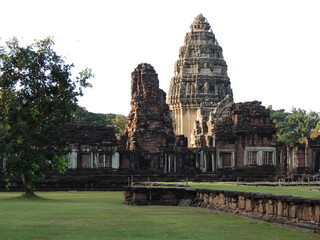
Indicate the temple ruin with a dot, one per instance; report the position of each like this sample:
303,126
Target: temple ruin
200,134
149,122
200,82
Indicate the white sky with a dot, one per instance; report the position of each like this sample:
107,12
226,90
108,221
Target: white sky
272,47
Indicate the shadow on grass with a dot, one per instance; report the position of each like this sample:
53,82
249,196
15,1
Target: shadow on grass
23,197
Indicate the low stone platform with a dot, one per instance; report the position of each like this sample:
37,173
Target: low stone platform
289,210
89,179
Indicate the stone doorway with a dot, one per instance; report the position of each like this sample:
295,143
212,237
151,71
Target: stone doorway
226,160
85,160
315,160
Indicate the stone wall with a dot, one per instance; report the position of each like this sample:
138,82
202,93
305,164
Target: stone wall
313,145
289,210
91,146
246,135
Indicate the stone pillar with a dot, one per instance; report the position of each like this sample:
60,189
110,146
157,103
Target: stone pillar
115,160
213,162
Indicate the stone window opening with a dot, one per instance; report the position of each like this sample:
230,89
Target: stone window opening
267,158
170,163
252,158
72,159
226,159
260,156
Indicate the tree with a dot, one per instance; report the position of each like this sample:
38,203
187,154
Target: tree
118,121
37,98
83,116
294,127
317,128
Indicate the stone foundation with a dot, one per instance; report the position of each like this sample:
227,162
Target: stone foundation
288,210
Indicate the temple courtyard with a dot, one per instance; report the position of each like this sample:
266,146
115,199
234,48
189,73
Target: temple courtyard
103,215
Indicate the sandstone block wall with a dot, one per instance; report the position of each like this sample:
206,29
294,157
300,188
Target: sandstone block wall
278,209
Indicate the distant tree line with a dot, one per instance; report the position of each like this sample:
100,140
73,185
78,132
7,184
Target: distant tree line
83,116
294,126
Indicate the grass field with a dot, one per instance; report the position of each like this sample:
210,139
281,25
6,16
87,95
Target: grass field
102,215
298,191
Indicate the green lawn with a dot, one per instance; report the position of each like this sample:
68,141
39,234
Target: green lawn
102,215
298,191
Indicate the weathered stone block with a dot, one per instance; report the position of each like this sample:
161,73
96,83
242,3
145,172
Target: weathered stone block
205,198
262,208
280,209
242,202
249,206
211,198
305,214
216,199
316,216
286,209
292,211
269,208
233,206
140,196
310,213
222,200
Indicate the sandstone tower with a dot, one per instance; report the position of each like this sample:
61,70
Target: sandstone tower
200,82
150,125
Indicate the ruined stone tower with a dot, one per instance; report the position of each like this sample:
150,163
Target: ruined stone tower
200,82
150,125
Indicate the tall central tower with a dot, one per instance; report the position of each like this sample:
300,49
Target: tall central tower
200,79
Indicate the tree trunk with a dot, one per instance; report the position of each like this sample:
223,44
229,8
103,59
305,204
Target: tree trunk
28,191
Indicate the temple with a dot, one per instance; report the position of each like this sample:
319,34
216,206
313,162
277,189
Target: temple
200,82
199,132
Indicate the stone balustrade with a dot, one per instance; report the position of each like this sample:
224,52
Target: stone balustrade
301,212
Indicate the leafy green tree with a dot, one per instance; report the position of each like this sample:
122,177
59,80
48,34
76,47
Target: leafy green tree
118,121
317,128
294,127
303,122
82,116
37,98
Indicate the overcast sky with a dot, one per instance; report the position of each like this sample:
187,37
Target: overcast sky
272,47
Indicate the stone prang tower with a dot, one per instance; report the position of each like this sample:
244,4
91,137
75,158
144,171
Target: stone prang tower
150,125
199,85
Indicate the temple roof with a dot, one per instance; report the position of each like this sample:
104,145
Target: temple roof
200,23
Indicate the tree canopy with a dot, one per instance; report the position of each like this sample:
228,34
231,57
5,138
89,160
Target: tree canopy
38,96
296,126
82,116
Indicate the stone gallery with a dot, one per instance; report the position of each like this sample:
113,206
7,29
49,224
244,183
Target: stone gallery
199,131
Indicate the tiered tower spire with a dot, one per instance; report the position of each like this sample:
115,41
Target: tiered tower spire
200,82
